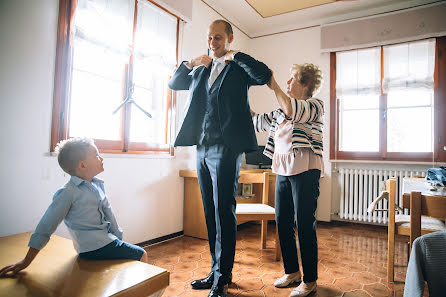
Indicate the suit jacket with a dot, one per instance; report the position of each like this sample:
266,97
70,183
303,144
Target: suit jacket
233,105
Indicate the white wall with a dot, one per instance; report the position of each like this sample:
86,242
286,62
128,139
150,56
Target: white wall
280,52
146,193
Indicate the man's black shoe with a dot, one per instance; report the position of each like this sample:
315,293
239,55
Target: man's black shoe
206,283
218,291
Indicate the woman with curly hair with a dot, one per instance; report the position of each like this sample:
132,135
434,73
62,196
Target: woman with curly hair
295,146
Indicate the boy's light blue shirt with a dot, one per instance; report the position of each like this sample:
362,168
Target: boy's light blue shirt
86,212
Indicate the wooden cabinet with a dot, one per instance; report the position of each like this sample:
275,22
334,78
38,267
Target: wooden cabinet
194,221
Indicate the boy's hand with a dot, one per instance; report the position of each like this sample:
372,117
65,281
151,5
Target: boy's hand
13,269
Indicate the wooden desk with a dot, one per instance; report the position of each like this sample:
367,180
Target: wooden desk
58,272
194,220
419,185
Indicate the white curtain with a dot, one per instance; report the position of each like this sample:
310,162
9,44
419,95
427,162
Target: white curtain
408,66
155,41
105,23
358,72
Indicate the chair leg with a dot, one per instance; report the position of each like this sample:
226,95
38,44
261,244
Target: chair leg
264,233
390,256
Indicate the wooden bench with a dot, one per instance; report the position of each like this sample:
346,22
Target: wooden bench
58,271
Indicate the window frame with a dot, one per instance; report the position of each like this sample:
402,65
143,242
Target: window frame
439,89
62,89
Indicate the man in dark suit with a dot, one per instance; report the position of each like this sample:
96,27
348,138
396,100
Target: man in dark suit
219,122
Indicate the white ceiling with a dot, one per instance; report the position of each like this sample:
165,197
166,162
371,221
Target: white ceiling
245,18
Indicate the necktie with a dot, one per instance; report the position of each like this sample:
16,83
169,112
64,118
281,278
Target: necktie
214,73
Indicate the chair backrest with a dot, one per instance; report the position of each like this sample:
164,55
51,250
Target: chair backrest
424,205
391,190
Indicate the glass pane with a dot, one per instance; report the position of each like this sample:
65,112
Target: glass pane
93,99
360,102
92,58
154,62
359,131
410,97
145,129
409,129
105,22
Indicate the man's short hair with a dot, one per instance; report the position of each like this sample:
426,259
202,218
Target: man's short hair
71,151
228,27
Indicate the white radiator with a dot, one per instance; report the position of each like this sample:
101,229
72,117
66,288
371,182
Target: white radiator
359,187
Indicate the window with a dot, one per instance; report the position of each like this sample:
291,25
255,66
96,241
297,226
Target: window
114,60
387,103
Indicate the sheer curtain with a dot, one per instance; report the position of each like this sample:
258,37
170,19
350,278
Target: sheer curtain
358,88
408,81
154,61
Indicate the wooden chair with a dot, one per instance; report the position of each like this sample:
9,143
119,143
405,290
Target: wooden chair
424,205
259,211
401,223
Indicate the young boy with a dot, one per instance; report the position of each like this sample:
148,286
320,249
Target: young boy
85,209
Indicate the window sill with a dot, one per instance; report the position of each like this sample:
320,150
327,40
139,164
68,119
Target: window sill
130,155
388,162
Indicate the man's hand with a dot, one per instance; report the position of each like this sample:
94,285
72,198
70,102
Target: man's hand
272,84
229,56
13,269
201,60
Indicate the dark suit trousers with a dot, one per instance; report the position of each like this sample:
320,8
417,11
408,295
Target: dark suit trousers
296,203
218,170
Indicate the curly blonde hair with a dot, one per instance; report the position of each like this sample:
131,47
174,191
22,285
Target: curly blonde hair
71,151
309,75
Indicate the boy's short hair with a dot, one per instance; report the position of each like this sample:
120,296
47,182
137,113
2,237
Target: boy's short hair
71,151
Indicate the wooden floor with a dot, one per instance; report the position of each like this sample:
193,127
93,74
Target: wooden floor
352,262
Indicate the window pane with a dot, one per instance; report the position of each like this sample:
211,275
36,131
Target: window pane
154,61
108,23
96,90
93,100
360,102
411,97
410,125
145,129
359,131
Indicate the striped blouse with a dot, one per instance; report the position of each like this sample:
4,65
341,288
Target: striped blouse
307,125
